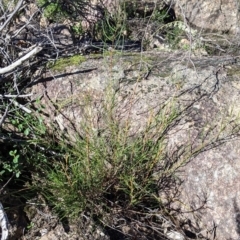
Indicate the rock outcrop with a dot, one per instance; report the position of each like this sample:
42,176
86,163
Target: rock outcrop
206,89
209,15
212,15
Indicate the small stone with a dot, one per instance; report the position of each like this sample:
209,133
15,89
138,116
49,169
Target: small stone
173,235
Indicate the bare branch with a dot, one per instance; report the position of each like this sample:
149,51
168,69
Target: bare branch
19,4
15,96
14,65
3,223
4,116
20,106
8,181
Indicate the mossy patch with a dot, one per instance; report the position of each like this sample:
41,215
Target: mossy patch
62,63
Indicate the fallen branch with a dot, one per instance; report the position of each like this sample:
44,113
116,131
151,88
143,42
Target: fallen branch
15,96
14,65
19,4
3,223
4,116
20,106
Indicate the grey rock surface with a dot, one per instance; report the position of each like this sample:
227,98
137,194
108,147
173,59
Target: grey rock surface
213,15
206,89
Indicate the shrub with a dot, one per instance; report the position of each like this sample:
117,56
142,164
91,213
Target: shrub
112,164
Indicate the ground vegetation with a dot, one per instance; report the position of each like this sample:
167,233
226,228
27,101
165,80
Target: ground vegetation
105,174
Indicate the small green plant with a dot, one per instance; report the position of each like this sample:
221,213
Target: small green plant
77,29
25,130
174,35
12,166
30,226
160,16
112,163
51,10
25,124
112,28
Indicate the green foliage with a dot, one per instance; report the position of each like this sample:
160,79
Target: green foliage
19,142
56,10
8,4
13,166
51,10
174,35
114,163
25,124
30,225
160,16
112,27
77,29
